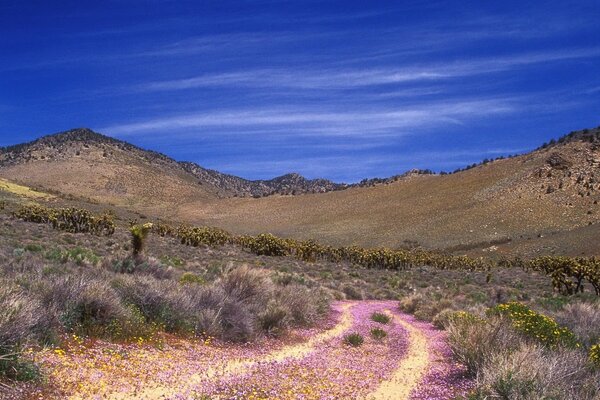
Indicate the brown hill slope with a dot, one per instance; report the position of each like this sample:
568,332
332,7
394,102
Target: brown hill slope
117,168
550,193
542,202
85,164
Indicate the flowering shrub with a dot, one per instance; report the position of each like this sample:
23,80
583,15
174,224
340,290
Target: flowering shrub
535,325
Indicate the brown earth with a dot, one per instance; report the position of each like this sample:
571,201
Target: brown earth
543,202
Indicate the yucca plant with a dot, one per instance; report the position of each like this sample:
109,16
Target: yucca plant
139,233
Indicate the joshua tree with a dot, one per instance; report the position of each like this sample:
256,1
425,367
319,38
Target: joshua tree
138,237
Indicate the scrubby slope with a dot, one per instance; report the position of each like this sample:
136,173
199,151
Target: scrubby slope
542,202
510,203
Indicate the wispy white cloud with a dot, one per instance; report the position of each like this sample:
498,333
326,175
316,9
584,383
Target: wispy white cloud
307,121
362,77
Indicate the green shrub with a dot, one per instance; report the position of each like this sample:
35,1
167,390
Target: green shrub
34,247
380,317
191,278
14,367
78,255
266,244
535,325
595,354
442,319
411,303
354,339
274,320
378,333
72,220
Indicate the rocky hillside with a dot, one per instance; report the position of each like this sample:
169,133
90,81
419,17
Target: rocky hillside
289,184
83,143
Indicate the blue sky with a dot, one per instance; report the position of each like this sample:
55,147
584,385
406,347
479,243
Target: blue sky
337,89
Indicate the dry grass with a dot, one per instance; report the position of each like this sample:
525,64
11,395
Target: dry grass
509,366
583,319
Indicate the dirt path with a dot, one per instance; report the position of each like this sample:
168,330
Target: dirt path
411,361
236,367
412,368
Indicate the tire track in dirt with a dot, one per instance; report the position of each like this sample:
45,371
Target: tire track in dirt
236,367
411,369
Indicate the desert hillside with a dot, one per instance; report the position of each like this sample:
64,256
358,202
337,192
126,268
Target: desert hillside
535,203
542,202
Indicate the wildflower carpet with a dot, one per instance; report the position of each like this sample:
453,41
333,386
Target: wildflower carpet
351,355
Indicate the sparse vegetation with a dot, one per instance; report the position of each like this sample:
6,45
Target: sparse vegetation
68,219
381,318
524,328
378,333
354,339
508,362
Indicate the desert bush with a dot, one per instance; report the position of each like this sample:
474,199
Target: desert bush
188,278
411,303
378,333
380,317
238,323
305,306
535,325
351,292
354,339
583,319
72,220
247,285
428,310
139,265
21,316
21,320
161,302
473,339
595,355
86,305
443,318
533,372
274,319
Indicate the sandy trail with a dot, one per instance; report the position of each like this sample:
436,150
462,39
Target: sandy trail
412,368
236,367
